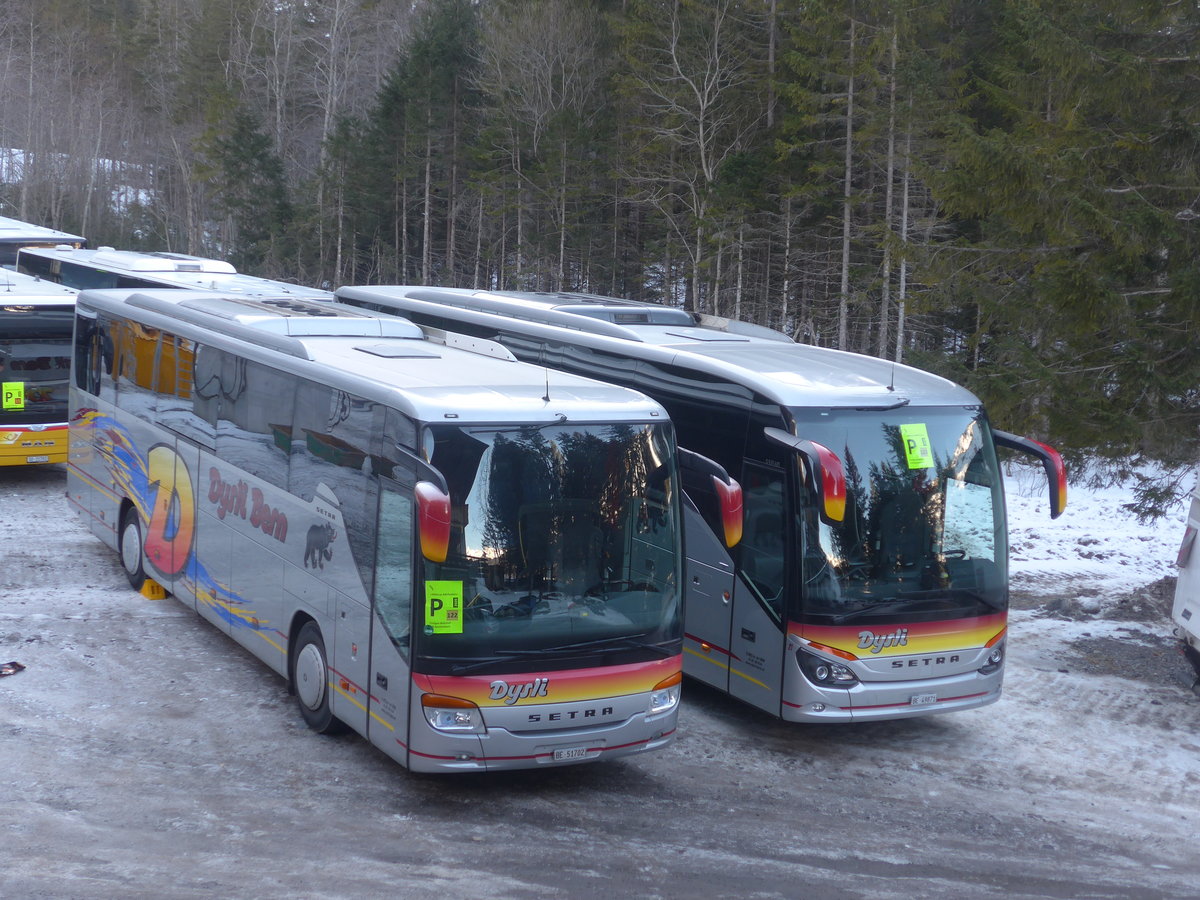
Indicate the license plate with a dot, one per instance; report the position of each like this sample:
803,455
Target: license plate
570,753
922,699
37,459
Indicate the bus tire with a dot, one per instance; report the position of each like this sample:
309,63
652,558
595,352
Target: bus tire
310,679
130,543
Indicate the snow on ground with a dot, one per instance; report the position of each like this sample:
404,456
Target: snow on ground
1091,554
1081,781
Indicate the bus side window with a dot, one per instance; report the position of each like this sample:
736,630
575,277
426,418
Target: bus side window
87,354
394,563
333,433
135,368
199,397
107,348
254,425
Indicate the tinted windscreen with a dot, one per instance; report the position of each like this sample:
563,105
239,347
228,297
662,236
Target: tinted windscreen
35,363
923,533
564,542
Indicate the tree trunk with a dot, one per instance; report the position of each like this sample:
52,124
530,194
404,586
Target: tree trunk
844,294
562,220
475,283
741,270
427,229
771,17
903,294
450,276
787,267
886,287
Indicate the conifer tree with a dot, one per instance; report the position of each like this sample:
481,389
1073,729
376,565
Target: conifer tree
1070,179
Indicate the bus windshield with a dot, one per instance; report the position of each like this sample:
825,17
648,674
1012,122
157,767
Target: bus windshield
35,362
564,542
923,534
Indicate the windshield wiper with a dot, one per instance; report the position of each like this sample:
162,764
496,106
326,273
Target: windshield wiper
614,643
876,608
910,601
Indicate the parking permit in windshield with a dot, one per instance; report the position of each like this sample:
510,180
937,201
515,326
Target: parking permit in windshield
14,395
443,607
916,446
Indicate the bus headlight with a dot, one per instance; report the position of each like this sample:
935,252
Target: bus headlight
452,714
823,672
994,661
665,696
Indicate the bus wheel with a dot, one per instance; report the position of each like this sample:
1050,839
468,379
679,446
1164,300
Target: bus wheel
131,548
310,676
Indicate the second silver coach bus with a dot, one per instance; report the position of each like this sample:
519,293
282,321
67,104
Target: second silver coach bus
105,267
472,562
15,234
871,580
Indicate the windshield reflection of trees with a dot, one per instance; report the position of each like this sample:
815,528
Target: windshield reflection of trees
560,534
913,539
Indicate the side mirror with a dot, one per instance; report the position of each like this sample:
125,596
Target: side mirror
433,520
1056,471
823,473
727,491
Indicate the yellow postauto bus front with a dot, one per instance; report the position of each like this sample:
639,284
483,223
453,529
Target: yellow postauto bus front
35,367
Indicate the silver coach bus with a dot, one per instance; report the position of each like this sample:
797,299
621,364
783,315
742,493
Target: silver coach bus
871,580
472,562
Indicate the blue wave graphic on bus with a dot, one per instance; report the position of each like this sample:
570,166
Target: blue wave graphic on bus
130,469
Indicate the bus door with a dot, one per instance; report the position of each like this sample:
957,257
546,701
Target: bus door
214,567
759,606
708,574
90,336
351,662
388,673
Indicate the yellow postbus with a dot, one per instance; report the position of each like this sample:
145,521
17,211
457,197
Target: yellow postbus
35,366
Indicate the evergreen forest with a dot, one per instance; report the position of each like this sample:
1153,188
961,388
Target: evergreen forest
1006,192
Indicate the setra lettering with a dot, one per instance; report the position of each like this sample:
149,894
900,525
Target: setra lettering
569,715
919,662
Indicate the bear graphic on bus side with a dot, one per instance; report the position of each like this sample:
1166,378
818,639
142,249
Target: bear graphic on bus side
317,550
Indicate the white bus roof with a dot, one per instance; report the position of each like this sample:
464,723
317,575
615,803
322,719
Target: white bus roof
178,270
14,230
433,376
24,290
771,363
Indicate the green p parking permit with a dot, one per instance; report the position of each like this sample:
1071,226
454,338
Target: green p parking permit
14,394
444,606
917,449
